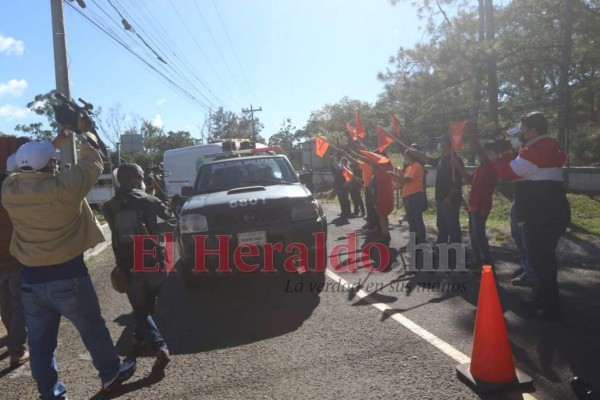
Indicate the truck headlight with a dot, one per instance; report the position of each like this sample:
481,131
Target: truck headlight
305,210
191,223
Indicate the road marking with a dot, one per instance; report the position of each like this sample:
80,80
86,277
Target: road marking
429,337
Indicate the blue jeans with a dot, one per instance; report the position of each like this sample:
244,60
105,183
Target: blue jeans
44,304
11,310
142,293
479,240
516,231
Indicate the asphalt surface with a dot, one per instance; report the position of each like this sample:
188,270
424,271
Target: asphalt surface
278,337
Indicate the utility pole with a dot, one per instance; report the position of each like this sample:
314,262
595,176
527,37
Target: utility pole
251,111
61,69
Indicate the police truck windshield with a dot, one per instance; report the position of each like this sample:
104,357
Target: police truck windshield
242,172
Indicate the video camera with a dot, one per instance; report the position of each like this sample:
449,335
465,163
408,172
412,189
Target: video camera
66,113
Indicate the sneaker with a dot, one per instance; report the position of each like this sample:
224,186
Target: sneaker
126,371
162,357
15,361
522,280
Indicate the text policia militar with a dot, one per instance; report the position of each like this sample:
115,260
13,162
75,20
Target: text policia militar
297,257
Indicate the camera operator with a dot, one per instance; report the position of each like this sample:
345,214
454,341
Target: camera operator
53,226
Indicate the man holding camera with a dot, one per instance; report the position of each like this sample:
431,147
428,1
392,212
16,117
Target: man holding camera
53,226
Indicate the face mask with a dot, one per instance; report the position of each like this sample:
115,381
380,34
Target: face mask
143,186
439,146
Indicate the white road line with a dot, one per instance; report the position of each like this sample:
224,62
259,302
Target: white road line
429,337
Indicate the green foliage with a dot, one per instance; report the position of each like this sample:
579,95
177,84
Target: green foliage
228,125
585,146
41,105
435,82
288,141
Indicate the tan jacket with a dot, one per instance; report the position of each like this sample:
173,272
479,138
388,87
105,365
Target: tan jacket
52,221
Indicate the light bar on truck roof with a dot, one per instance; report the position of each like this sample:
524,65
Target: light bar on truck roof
246,152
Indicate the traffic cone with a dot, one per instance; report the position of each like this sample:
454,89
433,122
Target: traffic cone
492,367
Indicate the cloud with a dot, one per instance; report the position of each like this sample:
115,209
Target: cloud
161,102
13,87
10,112
157,121
9,46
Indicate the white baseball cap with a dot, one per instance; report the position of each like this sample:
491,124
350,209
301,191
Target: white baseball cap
34,155
11,162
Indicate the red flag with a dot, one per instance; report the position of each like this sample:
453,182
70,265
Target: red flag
360,129
456,134
351,131
383,139
396,125
321,146
376,158
347,174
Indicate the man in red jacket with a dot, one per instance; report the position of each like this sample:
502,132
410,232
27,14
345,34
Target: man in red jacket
542,208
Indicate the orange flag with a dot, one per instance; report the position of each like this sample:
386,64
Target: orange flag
384,139
376,158
347,174
351,131
321,146
396,125
456,134
360,129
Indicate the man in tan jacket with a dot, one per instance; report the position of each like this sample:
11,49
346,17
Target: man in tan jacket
53,226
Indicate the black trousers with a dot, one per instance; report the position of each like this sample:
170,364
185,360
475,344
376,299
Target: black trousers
344,202
357,200
540,245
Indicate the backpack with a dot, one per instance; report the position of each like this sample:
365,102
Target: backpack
127,222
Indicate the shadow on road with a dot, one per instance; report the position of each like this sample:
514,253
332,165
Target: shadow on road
236,310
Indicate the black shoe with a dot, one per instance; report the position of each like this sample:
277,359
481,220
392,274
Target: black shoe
384,239
583,390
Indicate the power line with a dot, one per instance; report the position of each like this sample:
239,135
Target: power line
233,49
174,85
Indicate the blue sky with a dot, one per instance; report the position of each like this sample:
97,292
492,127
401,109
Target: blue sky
289,57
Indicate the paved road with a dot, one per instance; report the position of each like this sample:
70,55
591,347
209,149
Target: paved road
275,338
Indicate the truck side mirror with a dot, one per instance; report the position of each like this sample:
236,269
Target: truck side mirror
187,191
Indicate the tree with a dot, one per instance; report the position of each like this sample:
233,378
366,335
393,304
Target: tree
228,125
41,105
288,141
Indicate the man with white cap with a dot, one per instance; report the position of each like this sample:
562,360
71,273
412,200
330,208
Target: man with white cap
53,226
541,207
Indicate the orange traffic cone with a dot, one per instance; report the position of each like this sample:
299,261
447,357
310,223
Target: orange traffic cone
492,367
